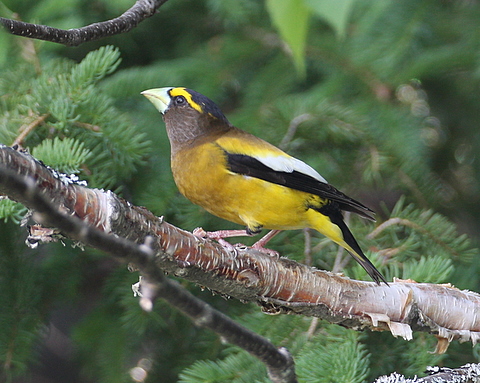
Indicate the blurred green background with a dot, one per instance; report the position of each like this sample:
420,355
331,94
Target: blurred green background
381,97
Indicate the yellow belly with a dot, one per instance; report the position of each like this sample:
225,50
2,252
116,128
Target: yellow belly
202,176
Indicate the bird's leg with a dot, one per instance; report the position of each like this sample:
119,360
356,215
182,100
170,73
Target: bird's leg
259,245
219,236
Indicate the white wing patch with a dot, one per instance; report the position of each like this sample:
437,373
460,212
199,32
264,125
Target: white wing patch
290,164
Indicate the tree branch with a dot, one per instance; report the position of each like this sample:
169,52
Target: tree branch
279,362
470,373
140,11
278,285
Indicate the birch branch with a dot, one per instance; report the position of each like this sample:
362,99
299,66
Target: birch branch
279,362
469,373
277,285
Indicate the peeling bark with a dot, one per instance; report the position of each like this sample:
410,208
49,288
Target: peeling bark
278,285
470,373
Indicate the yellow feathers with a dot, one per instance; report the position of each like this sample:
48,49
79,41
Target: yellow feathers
243,179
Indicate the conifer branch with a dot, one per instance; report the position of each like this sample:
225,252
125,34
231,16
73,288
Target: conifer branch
24,131
405,222
140,11
278,285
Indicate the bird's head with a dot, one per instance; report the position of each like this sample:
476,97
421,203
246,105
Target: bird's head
187,114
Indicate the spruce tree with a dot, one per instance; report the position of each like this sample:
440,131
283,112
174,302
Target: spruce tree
381,97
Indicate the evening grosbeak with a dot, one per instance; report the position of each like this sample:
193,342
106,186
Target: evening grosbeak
241,178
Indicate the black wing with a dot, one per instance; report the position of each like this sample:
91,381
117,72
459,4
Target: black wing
249,166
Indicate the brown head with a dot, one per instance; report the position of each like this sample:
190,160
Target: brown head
188,115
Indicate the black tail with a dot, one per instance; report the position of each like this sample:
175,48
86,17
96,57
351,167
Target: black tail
335,215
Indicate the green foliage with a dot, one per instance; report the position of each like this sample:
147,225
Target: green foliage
66,155
425,244
51,12
419,244
332,354
335,13
428,269
235,13
107,363
21,300
11,210
291,19
389,354
388,107
239,367
71,125
94,67
335,355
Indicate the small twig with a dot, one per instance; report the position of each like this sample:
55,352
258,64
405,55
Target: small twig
312,327
308,246
405,222
387,224
340,262
375,156
292,128
85,125
26,130
140,11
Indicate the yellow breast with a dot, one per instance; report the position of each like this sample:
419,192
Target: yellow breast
202,176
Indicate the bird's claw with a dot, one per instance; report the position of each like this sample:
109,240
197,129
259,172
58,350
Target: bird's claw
227,245
270,252
219,237
200,232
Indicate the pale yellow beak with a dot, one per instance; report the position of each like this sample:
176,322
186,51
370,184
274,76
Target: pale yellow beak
159,97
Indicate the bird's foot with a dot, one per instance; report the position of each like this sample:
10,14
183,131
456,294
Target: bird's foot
199,232
219,236
226,245
259,246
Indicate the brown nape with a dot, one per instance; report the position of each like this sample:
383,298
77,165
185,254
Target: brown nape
185,125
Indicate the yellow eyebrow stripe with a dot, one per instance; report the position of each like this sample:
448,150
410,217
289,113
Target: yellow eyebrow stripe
183,92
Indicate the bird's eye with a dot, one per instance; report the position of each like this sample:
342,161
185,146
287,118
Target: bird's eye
179,100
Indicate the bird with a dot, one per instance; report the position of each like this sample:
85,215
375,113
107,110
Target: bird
243,179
